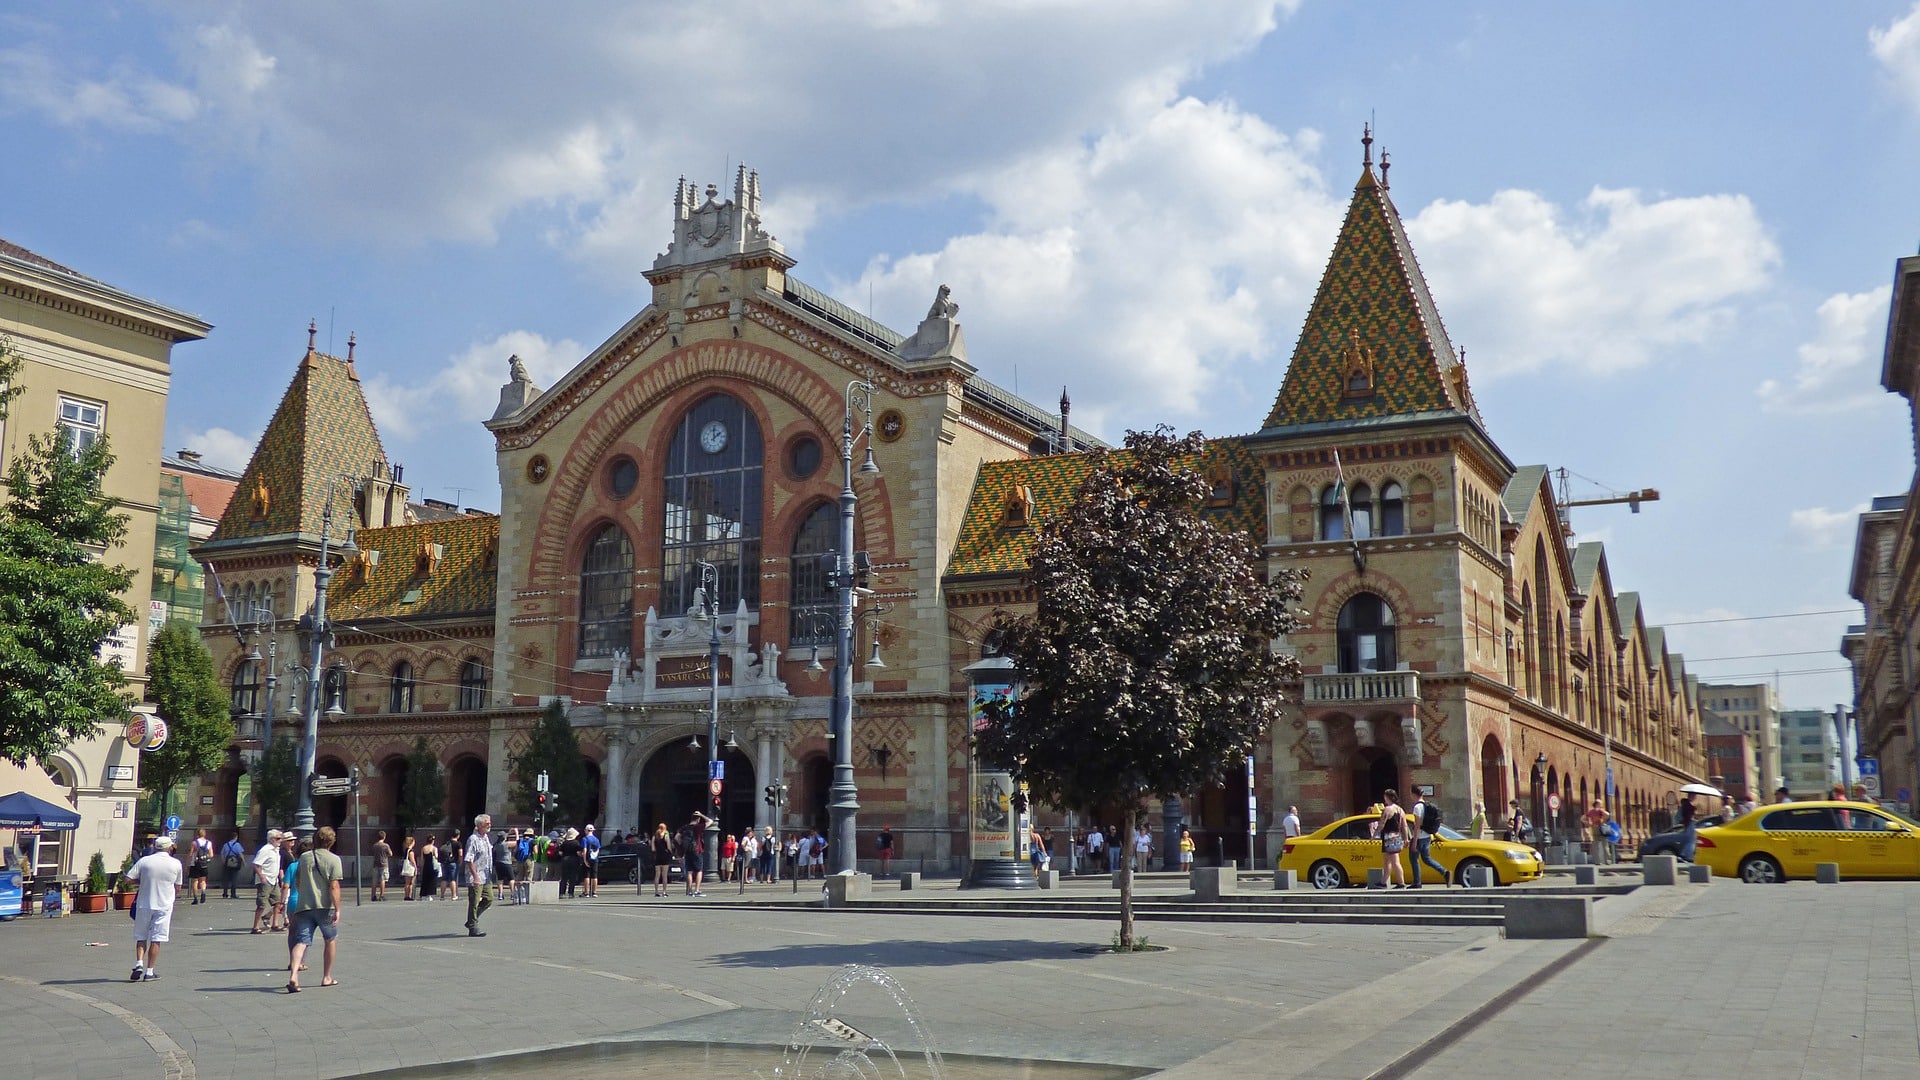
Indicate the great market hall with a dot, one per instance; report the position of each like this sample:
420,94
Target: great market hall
1457,638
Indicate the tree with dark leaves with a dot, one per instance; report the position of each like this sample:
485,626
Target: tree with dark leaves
1146,667
186,692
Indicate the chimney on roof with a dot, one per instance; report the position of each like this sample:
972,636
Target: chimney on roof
191,457
1066,405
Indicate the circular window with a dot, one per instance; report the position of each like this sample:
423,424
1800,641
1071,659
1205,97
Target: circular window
803,457
623,475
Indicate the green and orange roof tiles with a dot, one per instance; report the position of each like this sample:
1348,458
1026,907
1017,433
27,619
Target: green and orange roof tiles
463,581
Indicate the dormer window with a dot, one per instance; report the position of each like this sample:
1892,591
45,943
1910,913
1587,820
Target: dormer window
1359,367
1019,507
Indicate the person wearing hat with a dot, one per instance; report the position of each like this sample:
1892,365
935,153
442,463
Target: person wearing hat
266,879
570,862
590,854
159,876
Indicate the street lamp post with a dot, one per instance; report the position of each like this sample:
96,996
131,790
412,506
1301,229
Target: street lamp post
263,622
710,584
1543,834
319,633
844,802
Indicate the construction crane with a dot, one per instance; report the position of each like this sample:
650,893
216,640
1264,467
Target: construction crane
1633,499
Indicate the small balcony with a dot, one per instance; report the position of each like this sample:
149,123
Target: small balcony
1362,687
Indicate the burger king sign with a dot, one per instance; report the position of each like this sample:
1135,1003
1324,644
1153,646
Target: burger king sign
146,732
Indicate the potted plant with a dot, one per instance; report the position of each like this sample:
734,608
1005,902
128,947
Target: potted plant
93,891
123,890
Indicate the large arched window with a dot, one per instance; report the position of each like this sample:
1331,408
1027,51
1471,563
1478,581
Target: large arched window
1366,634
812,610
400,689
246,688
606,594
1362,500
713,505
1393,510
1333,521
473,685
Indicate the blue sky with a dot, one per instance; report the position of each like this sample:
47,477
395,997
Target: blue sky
1663,232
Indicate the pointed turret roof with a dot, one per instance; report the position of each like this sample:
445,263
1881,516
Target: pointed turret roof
321,430
1373,347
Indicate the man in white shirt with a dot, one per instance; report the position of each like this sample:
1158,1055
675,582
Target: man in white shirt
1142,848
475,866
1096,848
159,876
266,879
1290,825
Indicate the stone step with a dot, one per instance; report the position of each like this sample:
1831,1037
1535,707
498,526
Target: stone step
1413,915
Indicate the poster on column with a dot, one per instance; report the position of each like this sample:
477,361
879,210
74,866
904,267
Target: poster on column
992,795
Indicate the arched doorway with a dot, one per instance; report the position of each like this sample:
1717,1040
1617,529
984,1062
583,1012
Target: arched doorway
466,791
595,800
812,804
332,809
1218,818
1374,771
1493,779
393,787
673,784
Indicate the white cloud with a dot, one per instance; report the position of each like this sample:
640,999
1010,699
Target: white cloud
466,390
122,100
1897,48
222,448
1819,528
1526,285
1835,372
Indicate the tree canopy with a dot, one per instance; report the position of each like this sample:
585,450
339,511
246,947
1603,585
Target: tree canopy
554,749
186,691
58,601
1145,667
276,779
423,798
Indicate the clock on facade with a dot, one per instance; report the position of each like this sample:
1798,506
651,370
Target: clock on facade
713,437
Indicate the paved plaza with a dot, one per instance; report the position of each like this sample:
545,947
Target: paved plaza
1727,979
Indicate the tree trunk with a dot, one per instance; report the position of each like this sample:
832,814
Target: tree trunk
1126,880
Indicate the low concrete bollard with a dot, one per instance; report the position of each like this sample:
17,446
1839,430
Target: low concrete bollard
843,889
1699,875
1479,877
909,880
1048,879
1116,878
543,892
1549,917
1659,870
1286,880
1586,875
1376,878
1827,873
1210,883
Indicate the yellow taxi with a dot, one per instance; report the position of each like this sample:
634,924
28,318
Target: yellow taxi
1340,854
1787,840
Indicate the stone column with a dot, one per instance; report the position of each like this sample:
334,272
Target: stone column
613,779
765,766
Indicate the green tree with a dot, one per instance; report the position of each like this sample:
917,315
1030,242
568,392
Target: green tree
276,780
58,602
184,688
1146,667
423,798
555,750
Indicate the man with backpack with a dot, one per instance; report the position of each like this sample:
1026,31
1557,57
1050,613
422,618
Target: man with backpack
1426,824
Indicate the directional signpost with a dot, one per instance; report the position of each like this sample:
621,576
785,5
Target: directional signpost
323,787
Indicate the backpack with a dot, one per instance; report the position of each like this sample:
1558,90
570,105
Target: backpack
1611,831
523,850
1430,817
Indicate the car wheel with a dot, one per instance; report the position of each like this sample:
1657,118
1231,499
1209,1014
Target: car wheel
1327,874
1761,870
1460,871
633,874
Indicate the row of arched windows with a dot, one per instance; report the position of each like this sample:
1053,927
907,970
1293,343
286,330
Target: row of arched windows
401,683
1385,515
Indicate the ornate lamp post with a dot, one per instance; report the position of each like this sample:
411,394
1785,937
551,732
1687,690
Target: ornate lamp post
262,623
317,632
843,798
1543,834
710,610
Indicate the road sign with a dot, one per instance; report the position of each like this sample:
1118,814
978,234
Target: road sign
1871,782
540,782
1869,766
1553,803
713,786
325,786
173,822
716,769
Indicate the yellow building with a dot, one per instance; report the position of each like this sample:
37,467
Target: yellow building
96,360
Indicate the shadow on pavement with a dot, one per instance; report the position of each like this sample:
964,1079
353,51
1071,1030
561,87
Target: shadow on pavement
280,989
903,954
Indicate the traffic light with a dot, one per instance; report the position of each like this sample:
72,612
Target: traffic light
772,798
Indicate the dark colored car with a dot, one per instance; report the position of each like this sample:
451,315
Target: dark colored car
630,863
1668,843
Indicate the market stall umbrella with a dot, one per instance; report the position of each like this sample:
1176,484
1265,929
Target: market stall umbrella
1702,789
23,811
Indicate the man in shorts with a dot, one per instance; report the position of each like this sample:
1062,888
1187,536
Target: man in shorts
317,908
159,876
382,866
199,858
266,880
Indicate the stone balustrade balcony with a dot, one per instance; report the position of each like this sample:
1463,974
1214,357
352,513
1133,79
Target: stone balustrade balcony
1362,687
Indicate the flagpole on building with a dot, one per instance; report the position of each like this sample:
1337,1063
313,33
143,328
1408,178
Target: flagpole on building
1346,511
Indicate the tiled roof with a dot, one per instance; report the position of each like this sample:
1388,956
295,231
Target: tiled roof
1373,301
1521,490
402,585
15,251
1586,561
321,430
988,545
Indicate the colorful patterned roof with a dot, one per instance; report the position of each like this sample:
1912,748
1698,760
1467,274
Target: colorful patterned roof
988,544
321,430
407,582
1373,312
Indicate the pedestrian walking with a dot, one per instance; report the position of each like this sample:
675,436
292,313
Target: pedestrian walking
1096,847
523,868
289,854
590,860
233,856
409,869
503,846
382,865
159,876
450,858
660,846
695,855
1186,850
883,849
1290,824
1425,820
750,856
266,882
1687,828
769,855
1519,829
1478,826
1391,828
729,851
476,866
429,877
1595,821
200,860
817,852
570,862
316,908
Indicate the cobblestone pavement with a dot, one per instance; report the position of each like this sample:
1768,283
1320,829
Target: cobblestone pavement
1795,980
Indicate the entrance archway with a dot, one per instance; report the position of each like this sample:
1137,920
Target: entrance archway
673,784
330,809
1374,771
467,791
818,771
1493,779
1219,821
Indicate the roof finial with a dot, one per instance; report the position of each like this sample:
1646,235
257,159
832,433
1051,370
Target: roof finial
1066,439
350,337
313,330
1366,143
1384,166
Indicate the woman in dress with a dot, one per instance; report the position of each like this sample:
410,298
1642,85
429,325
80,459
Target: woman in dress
409,868
429,868
1392,828
662,845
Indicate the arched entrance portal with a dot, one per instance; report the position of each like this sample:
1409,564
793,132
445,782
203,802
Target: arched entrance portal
673,784
466,791
1493,779
817,792
1374,771
1219,821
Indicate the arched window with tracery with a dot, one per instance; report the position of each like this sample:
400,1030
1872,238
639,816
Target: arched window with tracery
473,685
1362,501
246,688
713,506
606,594
1333,520
1393,510
812,607
1366,635
400,689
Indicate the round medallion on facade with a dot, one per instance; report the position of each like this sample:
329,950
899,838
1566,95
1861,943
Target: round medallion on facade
538,468
803,457
891,425
623,475
713,437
